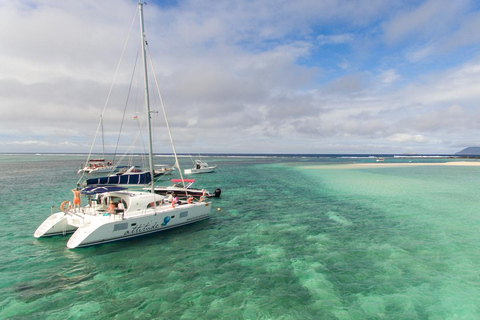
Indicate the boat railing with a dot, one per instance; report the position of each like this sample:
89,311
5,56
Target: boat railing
117,216
88,214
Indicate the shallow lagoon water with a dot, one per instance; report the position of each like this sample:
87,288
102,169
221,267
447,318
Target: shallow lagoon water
284,241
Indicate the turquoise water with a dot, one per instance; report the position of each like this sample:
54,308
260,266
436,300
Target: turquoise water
285,241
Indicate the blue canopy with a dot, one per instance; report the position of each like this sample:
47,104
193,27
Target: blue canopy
125,179
90,190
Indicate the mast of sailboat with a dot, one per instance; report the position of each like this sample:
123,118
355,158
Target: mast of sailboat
147,100
103,139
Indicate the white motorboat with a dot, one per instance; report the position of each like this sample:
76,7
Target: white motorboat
114,213
183,188
200,167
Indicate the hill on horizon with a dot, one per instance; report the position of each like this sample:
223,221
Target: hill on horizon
469,151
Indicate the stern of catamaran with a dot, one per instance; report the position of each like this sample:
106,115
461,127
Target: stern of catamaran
55,224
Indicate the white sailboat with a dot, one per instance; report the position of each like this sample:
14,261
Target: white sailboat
114,213
98,166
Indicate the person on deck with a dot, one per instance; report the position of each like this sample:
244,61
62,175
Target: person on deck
76,199
111,207
174,200
204,195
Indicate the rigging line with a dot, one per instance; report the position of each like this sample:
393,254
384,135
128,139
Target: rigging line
191,159
125,107
131,149
89,153
113,82
144,150
91,149
177,164
103,138
128,151
119,63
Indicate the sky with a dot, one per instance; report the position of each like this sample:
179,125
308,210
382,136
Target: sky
245,76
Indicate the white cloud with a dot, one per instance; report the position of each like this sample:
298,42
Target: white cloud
335,39
405,137
430,19
235,77
389,76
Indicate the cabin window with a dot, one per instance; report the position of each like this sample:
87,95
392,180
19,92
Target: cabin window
183,214
120,226
151,204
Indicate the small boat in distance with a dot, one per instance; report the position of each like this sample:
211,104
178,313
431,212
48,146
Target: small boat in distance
164,168
178,189
98,166
380,159
200,167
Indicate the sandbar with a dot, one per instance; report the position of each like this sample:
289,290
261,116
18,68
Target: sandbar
392,164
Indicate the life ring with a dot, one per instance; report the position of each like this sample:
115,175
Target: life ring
65,206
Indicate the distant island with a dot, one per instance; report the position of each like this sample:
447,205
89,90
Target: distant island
470,151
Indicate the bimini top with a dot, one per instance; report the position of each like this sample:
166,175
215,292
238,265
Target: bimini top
90,190
127,178
178,183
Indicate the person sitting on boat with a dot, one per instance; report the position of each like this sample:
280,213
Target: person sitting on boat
76,199
174,201
204,193
111,207
189,199
121,206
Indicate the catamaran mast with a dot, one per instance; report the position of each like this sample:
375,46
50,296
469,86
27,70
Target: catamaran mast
147,101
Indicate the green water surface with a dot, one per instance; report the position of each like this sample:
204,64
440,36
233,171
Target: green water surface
283,242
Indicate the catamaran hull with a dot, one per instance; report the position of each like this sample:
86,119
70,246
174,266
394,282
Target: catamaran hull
98,171
54,225
98,233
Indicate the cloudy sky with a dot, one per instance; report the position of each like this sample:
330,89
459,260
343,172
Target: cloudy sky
253,76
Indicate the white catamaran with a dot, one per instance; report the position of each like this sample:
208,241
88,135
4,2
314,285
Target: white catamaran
114,213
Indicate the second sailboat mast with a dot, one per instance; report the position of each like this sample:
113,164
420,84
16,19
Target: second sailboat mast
147,100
